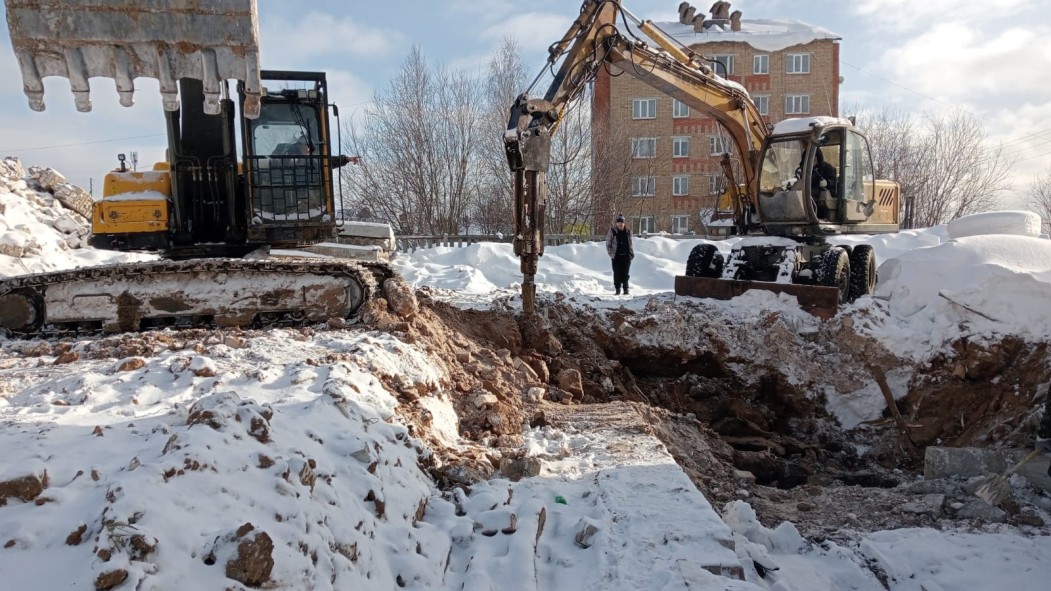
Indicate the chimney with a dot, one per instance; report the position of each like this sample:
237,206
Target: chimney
691,13
721,10
735,20
686,13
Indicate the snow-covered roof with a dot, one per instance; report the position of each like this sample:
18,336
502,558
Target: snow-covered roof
762,34
804,124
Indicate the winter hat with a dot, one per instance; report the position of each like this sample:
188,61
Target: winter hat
620,218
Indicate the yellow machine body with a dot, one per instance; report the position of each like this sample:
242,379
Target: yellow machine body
133,205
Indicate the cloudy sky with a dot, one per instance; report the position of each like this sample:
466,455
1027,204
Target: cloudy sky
990,58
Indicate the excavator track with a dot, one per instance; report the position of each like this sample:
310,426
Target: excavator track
194,293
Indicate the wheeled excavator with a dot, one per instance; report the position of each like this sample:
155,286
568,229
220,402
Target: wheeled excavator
785,217
246,170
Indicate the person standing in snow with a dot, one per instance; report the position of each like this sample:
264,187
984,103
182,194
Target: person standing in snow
620,251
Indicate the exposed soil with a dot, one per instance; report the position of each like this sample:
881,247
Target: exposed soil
742,408
741,405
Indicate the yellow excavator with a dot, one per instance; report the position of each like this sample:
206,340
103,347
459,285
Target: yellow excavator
785,214
246,170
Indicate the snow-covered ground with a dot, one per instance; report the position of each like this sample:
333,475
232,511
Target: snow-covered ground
145,460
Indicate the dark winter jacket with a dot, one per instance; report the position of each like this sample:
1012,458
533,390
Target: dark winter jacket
619,242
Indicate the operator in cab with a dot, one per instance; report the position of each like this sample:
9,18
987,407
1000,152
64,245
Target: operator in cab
823,176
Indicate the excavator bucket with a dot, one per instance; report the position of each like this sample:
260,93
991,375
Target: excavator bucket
207,40
815,299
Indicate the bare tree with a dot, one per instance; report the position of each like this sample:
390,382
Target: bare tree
569,178
494,210
418,144
1038,198
963,175
941,161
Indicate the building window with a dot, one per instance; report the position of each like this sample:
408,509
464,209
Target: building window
761,64
680,147
680,185
797,104
644,108
680,224
718,145
679,109
644,147
644,186
797,63
762,102
725,66
715,184
644,224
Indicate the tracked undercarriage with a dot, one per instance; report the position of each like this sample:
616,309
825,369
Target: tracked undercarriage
204,292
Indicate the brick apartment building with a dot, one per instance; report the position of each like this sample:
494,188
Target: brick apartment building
790,69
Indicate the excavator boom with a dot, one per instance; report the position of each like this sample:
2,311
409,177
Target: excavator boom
207,40
777,197
597,39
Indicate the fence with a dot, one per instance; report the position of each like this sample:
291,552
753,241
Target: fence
412,243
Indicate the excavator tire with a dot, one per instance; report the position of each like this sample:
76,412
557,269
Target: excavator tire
834,271
704,261
862,271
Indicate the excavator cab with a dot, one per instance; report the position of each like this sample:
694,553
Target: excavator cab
288,165
816,179
208,200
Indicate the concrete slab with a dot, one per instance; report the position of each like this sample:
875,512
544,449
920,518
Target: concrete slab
967,462
349,251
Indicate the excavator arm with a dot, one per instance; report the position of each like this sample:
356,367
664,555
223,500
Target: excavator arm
207,40
596,40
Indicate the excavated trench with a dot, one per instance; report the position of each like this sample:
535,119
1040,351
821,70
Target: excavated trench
744,407
744,404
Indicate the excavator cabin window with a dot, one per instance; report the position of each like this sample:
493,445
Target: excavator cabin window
286,180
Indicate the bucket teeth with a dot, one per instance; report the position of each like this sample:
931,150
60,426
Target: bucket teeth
212,41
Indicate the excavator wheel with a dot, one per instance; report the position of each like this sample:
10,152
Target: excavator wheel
704,261
862,271
21,311
834,271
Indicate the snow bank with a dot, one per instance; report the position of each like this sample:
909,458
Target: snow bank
993,284
1021,223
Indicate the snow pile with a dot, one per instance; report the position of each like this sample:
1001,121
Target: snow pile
932,290
1021,223
44,223
976,285
160,467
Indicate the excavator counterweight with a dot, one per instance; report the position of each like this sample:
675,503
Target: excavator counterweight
207,40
